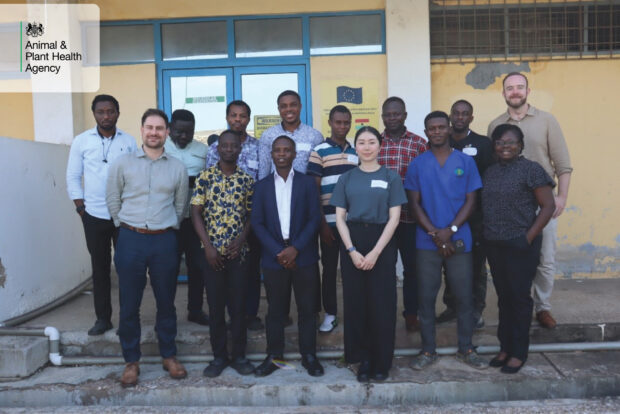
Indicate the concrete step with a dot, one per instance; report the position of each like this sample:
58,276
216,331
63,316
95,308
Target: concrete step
556,375
193,339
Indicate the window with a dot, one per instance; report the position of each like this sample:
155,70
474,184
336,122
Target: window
334,35
196,40
268,37
478,30
127,43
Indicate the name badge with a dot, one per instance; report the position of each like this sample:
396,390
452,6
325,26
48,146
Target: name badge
378,184
353,159
303,146
471,151
253,164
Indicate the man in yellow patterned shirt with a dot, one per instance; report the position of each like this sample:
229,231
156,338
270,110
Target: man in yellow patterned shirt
220,211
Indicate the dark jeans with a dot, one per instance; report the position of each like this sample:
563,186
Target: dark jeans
100,236
278,283
405,241
513,267
459,273
369,299
329,260
135,253
189,243
479,285
227,287
253,276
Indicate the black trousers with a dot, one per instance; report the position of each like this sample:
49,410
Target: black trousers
252,301
479,286
227,288
329,261
369,299
513,267
278,283
189,243
100,236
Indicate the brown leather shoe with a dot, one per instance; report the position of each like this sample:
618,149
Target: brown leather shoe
174,368
545,319
412,323
130,375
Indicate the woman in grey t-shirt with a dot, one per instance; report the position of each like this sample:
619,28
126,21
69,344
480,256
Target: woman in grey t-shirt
368,201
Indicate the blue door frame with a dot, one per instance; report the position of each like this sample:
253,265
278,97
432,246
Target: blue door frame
234,79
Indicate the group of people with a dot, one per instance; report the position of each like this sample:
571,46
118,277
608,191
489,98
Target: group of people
245,207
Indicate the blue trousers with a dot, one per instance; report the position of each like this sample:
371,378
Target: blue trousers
459,274
135,253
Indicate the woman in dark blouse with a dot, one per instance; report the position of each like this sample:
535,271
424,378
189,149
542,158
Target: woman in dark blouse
517,203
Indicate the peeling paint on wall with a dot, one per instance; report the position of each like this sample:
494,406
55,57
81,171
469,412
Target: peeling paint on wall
2,275
483,75
587,260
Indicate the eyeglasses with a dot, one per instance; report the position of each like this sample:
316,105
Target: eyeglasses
509,143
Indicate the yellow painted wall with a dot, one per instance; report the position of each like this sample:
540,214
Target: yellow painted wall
158,9
326,68
582,94
134,86
16,119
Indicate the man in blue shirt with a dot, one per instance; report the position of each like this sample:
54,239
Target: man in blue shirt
182,145
90,157
441,187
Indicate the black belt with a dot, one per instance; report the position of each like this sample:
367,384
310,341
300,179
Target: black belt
287,242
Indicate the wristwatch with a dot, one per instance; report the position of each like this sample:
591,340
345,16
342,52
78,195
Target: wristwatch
351,249
454,228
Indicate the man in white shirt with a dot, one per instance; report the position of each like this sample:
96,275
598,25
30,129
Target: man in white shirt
90,157
193,154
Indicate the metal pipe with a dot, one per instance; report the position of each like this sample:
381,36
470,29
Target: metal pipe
58,359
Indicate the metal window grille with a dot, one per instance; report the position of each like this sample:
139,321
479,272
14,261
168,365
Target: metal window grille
502,30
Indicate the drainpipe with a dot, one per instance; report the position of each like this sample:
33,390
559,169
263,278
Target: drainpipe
57,359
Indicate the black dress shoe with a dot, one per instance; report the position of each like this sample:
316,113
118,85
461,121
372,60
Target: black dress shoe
215,367
497,363
100,327
199,318
363,372
267,367
312,365
379,376
242,365
506,369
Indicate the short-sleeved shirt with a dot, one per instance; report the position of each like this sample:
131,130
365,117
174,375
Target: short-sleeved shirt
227,202
397,154
193,156
328,161
443,191
368,196
305,137
508,202
248,157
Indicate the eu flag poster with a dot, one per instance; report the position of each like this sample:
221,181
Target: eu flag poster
349,95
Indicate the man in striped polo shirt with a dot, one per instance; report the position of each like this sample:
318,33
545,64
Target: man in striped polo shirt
328,161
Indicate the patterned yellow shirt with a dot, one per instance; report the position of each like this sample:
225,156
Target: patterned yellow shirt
226,202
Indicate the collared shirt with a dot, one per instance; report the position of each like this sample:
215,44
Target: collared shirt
305,138
397,154
284,191
226,202
147,193
544,141
87,160
329,161
248,158
193,156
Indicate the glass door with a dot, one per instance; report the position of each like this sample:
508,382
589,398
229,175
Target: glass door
206,92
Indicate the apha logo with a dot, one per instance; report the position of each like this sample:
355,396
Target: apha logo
34,29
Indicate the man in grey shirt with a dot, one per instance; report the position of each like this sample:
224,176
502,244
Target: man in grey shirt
146,196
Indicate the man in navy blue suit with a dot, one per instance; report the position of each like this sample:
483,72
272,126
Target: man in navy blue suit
285,217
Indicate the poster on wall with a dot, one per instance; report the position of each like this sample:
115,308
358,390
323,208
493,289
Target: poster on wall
361,96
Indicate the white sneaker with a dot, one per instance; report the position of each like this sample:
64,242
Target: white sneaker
329,323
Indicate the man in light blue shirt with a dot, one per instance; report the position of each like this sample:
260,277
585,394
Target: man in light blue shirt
90,157
305,137
181,145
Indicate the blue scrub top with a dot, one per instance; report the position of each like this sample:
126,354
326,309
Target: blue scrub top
442,192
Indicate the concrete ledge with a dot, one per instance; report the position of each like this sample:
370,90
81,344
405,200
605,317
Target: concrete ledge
567,375
20,356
